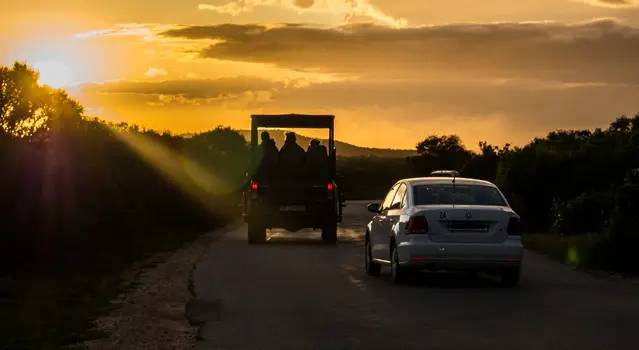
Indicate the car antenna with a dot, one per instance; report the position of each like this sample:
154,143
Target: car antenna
453,183
453,189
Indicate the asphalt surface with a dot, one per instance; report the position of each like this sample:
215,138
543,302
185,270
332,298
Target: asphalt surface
295,293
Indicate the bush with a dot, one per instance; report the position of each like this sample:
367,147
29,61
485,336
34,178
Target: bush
588,250
81,196
624,224
586,213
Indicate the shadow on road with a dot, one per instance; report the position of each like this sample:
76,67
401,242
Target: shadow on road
447,280
310,238
298,241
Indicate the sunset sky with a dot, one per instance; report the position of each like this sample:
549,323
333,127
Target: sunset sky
392,71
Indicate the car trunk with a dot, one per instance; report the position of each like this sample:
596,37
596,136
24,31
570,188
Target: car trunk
466,223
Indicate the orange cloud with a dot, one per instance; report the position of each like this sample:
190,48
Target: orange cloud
154,72
597,51
188,88
236,8
522,107
614,3
304,4
352,9
126,29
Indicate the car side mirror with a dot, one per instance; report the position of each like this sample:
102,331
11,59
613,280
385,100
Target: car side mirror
373,208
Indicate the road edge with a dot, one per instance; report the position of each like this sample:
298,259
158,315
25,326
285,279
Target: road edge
599,274
189,309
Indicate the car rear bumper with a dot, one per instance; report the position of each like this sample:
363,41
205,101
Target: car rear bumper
428,255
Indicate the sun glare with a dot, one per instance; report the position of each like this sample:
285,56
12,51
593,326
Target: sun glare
54,73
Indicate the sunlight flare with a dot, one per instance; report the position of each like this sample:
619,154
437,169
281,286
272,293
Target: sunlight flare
54,73
190,176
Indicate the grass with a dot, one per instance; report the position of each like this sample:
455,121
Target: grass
585,251
48,312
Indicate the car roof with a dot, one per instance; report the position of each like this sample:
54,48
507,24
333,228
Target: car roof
438,180
444,172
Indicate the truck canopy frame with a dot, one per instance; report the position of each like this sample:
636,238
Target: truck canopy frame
306,121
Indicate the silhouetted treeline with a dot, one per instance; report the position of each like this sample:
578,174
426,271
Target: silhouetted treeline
80,194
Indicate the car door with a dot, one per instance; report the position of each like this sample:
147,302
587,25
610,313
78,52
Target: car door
390,220
376,234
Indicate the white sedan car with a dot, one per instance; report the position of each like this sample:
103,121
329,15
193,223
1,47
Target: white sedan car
440,223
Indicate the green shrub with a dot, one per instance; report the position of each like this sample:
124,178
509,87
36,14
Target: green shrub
586,213
590,250
624,227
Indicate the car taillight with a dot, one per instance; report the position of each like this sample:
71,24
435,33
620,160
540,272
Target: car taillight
254,185
417,224
514,226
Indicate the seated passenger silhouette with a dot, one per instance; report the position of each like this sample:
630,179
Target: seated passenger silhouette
268,154
317,158
292,156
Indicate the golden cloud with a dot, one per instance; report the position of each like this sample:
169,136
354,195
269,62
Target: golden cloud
614,3
154,72
188,88
351,9
597,51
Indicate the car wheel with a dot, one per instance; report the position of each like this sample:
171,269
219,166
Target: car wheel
372,268
510,276
329,233
256,232
398,274
473,275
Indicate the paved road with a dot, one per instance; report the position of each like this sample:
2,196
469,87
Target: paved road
294,293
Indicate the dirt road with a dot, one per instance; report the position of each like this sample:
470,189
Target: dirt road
295,293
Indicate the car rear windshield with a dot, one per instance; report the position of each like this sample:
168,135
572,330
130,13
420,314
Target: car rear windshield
461,194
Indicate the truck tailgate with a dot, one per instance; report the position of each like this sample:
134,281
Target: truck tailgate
292,193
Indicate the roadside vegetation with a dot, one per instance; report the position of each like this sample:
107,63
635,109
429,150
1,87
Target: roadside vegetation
83,199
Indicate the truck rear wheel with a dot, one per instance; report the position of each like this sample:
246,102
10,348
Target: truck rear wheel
329,233
256,232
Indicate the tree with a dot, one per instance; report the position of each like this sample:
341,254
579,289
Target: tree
438,146
441,152
76,191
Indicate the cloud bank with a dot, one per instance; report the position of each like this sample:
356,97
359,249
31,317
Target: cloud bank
614,3
351,9
597,51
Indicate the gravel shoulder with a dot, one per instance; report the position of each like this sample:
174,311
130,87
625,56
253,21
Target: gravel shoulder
151,312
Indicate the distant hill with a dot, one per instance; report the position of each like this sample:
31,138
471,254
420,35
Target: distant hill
343,149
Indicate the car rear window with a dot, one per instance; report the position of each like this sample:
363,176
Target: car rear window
462,194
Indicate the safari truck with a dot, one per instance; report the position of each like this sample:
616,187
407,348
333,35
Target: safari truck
294,197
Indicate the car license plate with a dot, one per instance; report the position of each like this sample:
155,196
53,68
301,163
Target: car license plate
292,208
